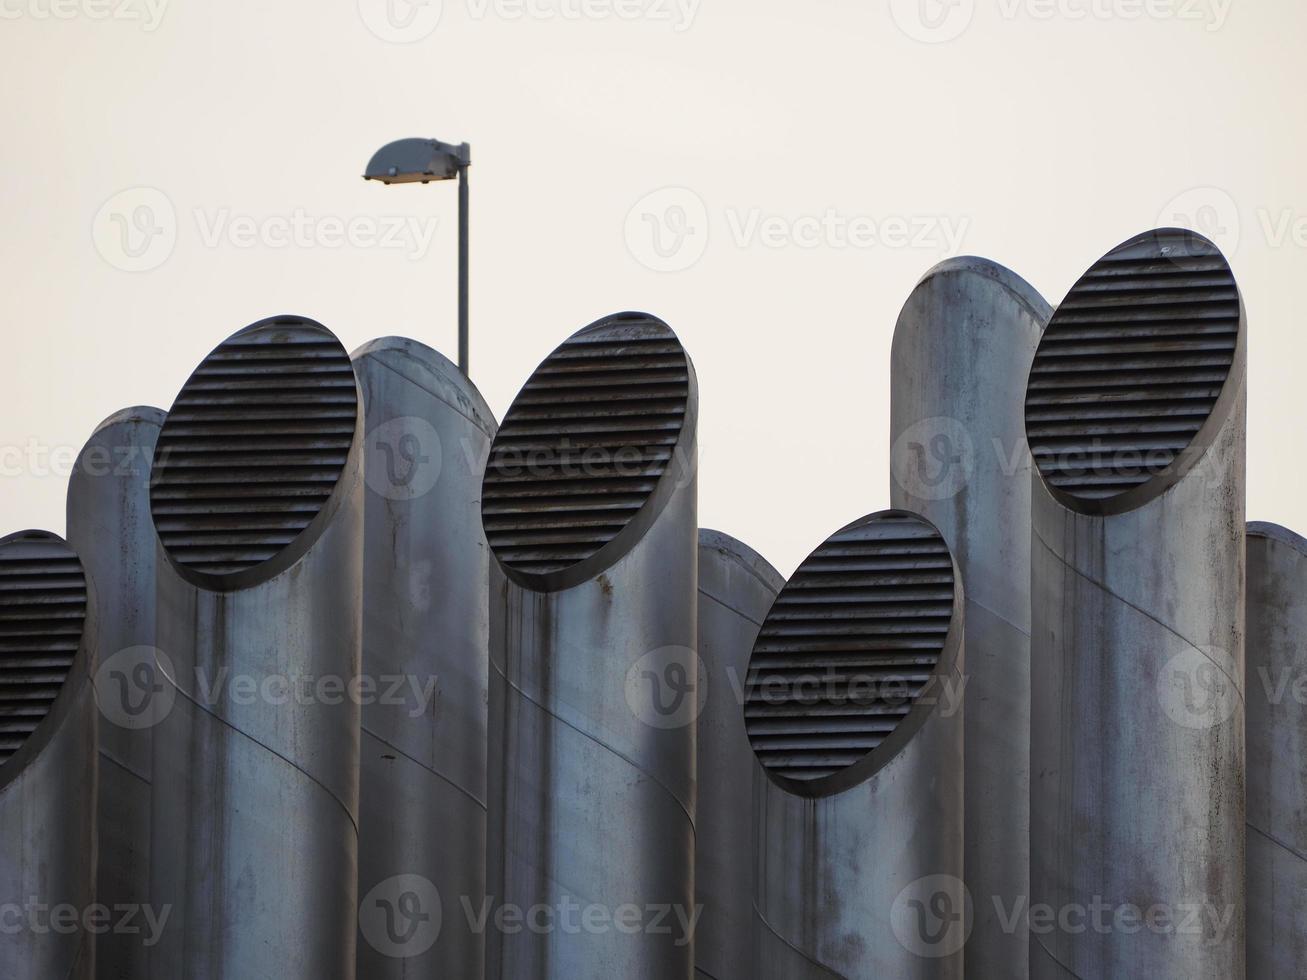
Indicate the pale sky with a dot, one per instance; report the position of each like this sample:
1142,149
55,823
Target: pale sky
177,169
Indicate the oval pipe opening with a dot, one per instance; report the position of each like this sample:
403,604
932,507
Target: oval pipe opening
43,598
865,628
1136,372
590,450
249,459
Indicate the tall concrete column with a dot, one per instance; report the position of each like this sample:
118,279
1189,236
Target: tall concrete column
47,759
1135,416
965,338
258,504
854,709
1276,688
426,594
589,506
737,587
110,528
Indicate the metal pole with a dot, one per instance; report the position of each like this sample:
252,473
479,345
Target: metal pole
462,269
257,500
853,707
736,588
48,762
426,588
966,335
1277,735
1135,413
109,526
590,507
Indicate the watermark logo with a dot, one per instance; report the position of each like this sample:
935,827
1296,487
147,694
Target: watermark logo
933,21
933,458
414,693
147,13
1104,918
1211,14
836,231
1197,689
667,688
133,689
1210,211
1283,684
136,229
932,917
680,14
1214,213
570,917
38,918
401,21
667,230
299,229
836,684
403,458
401,917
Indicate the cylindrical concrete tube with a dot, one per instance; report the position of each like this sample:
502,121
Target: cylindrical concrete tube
47,759
1135,418
426,567
736,589
853,708
257,500
110,528
966,335
589,505
1276,687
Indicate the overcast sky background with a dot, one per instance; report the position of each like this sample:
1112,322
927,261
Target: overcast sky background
808,163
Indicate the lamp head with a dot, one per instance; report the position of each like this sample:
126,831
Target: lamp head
417,160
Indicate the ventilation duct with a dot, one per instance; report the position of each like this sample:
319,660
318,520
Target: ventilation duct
1135,416
257,500
960,459
48,752
589,505
853,708
426,574
737,587
1277,735
109,525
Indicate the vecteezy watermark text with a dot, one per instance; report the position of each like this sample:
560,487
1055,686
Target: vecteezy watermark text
137,230
147,13
669,229
43,918
137,687
939,21
573,918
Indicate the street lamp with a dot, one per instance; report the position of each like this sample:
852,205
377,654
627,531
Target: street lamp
419,160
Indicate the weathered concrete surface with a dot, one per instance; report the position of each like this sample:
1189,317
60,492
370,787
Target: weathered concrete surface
256,764
109,526
1276,687
592,735
426,594
866,882
965,338
736,588
1137,718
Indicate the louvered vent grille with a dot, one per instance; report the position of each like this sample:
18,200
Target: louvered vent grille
585,444
253,446
1132,364
42,611
848,646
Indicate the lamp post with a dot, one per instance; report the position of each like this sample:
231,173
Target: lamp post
418,160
